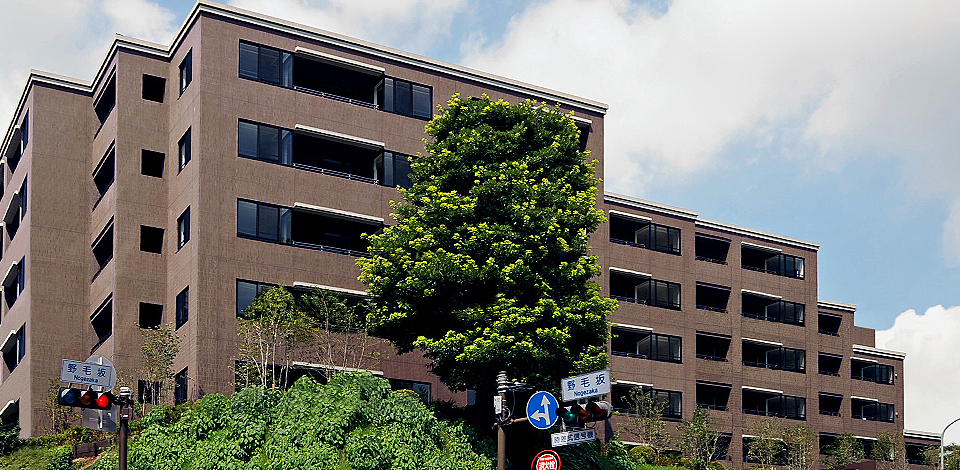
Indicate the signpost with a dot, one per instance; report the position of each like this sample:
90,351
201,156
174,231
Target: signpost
558,439
546,460
542,410
88,373
586,385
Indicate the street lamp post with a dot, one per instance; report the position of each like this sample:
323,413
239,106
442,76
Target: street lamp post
941,441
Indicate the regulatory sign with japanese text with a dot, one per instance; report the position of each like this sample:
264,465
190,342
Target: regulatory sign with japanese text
586,385
546,460
90,373
558,439
542,410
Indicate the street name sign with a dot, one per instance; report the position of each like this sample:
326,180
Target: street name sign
90,373
558,439
586,385
542,410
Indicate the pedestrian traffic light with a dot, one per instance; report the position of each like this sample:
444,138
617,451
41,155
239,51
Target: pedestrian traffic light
85,398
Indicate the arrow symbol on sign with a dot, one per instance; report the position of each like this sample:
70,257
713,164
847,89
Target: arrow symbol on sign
542,414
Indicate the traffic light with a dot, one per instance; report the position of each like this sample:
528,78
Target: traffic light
85,398
575,415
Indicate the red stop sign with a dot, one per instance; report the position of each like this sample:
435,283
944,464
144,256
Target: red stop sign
546,460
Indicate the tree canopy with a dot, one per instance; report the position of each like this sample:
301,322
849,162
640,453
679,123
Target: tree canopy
487,267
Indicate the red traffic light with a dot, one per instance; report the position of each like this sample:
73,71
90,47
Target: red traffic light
599,410
85,398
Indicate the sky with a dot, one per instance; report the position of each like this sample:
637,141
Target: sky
832,122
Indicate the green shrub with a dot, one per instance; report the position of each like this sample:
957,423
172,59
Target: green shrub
61,458
10,439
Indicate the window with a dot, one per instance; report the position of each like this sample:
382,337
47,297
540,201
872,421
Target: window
770,356
266,64
393,169
14,348
861,369
154,88
406,98
624,401
186,71
103,176
247,291
25,132
713,396
151,239
636,288
770,308
14,282
645,345
627,229
107,100
180,387
18,143
420,388
103,246
183,147
151,163
264,142
102,321
307,226
871,410
183,306
830,403
828,324
712,297
712,346
712,249
17,210
829,364
183,228
149,392
770,260
151,315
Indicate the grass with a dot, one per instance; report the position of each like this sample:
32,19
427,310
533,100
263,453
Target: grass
28,458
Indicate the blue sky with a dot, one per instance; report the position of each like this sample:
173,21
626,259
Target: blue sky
833,122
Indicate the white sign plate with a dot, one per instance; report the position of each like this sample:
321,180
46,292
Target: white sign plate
101,420
586,385
558,439
89,373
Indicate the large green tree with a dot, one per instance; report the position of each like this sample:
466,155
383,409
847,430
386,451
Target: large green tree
487,267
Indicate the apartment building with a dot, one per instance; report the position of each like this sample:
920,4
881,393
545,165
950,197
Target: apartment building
185,178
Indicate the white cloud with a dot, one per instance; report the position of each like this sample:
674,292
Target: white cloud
68,37
931,386
839,80
412,25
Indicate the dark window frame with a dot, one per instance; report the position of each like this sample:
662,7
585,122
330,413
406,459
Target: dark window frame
150,84
148,163
186,71
105,309
180,385
144,309
258,287
108,163
103,109
150,238
184,150
183,228
182,307
15,355
107,236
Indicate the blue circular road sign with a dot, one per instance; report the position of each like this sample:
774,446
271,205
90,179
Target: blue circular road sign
542,410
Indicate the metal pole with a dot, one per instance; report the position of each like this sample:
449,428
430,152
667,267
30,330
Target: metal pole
941,441
501,421
124,431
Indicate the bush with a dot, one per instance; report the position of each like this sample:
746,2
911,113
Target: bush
10,439
61,458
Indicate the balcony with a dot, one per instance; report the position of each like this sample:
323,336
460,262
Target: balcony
871,371
770,260
626,398
771,308
336,78
828,324
830,403
869,409
306,226
769,355
713,396
765,402
638,231
629,341
712,297
635,287
829,364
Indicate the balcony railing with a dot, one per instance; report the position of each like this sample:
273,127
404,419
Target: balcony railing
830,413
336,97
712,309
339,174
624,242
711,260
828,332
713,407
629,299
332,249
827,372
709,357
760,412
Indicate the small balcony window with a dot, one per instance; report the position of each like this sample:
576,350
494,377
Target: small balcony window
183,228
183,307
771,261
624,400
869,409
14,348
153,88
829,364
151,315
107,100
712,346
829,324
713,396
830,403
14,282
773,403
103,176
102,321
103,247
406,98
247,291
17,210
712,249
186,71
712,297
184,150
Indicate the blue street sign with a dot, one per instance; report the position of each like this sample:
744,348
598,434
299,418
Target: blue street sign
542,410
